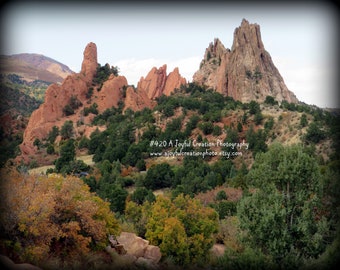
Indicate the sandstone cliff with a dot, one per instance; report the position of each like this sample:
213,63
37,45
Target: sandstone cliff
74,90
50,113
157,82
246,72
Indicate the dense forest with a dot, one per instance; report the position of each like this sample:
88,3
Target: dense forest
198,169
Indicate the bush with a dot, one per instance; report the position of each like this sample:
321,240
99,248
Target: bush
314,133
158,176
270,100
206,127
53,216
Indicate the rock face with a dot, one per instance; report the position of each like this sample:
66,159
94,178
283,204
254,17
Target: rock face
137,99
90,62
157,82
246,72
75,90
76,86
138,250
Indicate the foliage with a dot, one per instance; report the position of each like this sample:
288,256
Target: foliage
314,133
303,120
254,107
142,194
280,216
92,109
221,195
53,215
206,127
268,125
17,96
270,100
158,176
225,208
67,130
251,259
183,228
256,75
258,117
67,155
256,140
103,73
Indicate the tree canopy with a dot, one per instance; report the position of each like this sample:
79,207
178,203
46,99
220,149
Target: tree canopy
53,214
281,215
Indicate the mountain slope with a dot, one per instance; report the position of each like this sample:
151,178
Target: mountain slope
34,67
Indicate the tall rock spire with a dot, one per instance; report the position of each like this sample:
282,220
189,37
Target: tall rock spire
90,62
246,72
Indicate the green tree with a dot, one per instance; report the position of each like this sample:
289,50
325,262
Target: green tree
67,155
159,176
115,194
141,194
67,130
68,110
258,117
280,216
314,133
221,195
183,228
254,107
303,120
52,135
239,127
206,127
270,100
269,124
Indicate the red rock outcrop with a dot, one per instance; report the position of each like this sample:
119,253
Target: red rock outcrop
137,99
51,112
90,62
157,82
246,72
111,92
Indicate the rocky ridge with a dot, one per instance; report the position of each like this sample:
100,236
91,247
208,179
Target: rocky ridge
246,71
113,91
157,82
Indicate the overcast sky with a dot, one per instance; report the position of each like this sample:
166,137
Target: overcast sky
301,38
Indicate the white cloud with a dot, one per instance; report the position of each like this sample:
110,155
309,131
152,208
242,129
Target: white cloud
312,84
133,69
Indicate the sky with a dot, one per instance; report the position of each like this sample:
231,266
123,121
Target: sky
301,37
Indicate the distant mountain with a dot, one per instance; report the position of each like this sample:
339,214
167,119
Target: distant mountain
33,67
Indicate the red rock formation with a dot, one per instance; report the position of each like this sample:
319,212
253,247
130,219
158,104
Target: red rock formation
50,113
137,100
90,62
111,92
246,72
173,81
157,82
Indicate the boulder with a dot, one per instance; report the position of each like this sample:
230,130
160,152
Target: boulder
133,244
153,253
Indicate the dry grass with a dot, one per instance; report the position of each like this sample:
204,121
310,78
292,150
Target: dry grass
42,170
